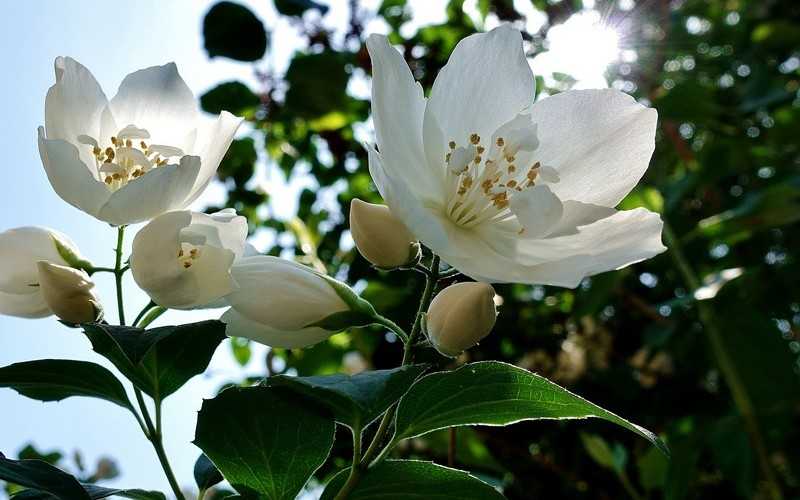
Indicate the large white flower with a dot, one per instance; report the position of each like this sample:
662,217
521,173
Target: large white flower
20,251
183,259
141,154
504,189
280,303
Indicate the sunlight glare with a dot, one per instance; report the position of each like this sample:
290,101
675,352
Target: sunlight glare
582,47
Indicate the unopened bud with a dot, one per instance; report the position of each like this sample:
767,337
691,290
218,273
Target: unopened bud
460,316
380,236
68,293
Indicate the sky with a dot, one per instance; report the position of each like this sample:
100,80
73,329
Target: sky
113,39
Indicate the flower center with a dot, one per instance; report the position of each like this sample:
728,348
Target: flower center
188,254
483,178
127,156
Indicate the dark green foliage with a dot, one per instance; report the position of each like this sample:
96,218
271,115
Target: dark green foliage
57,379
298,7
232,30
159,360
265,441
413,479
206,474
357,400
234,97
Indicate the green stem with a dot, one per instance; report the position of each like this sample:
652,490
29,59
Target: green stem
430,285
355,469
626,484
118,272
154,436
144,311
726,364
391,325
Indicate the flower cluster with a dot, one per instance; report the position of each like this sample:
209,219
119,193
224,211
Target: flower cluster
501,188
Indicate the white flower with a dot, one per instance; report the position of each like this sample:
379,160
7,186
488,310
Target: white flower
460,316
68,293
279,302
20,250
141,154
183,259
503,189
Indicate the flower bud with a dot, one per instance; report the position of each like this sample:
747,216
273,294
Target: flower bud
20,249
68,293
281,303
460,316
380,236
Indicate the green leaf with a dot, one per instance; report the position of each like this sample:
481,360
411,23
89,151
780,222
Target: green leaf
413,479
232,30
354,400
206,474
95,493
233,97
160,360
264,440
41,476
310,96
57,379
298,7
494,393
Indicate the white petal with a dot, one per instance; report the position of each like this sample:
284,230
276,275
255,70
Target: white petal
20,249
599,141
240,326
222,229
28,305
157,269
405,204
398,106
74,104
486,82
158,191
158,100
537,209
212,147
70,177
611,243
577,214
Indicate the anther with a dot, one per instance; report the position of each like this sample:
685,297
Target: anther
474,138
452,144
187,264
143,145
477,159
500,141
129,143
96,150
110,153
114,140
481,149
180,253
108,179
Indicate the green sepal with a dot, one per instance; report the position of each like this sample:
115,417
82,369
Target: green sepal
343,320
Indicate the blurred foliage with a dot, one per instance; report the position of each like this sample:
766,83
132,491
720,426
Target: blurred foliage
724,77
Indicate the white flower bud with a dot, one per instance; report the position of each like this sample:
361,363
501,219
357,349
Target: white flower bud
20,249
68,293
380,236
460,316
183,259
281,303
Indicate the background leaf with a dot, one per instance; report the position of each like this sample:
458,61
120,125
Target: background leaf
41,476
265,441
232,30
